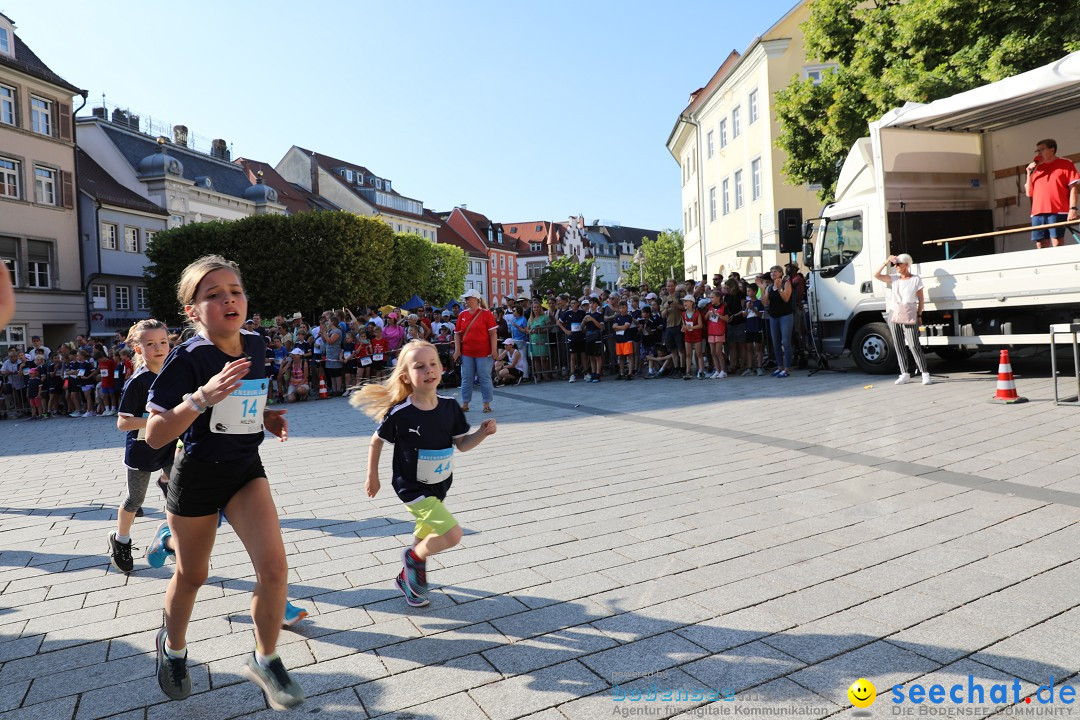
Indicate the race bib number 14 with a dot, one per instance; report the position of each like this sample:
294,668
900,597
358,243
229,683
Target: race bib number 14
241,412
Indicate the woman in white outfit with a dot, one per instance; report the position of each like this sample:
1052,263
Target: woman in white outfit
906,303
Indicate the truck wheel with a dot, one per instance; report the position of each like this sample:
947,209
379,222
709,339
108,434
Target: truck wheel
872,349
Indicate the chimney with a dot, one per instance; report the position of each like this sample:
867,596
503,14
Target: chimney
219,149
180,135
98,112
314,175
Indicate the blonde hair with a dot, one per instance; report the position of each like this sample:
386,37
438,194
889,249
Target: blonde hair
188,287
134,337
374,399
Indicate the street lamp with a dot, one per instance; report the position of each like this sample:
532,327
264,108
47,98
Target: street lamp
639,258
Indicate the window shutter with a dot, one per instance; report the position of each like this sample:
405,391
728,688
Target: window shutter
64,121
68,191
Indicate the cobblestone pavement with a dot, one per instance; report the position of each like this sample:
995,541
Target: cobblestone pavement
768,539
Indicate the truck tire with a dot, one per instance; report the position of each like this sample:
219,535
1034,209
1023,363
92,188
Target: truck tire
872,349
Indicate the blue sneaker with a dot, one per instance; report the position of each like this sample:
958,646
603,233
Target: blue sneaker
221,517
410,598
293,614
157,551
783,374
415,574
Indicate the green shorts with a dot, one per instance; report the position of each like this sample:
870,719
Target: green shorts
431,517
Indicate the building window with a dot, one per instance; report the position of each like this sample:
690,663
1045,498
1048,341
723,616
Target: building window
751,107
108,236
99,297
816,73
40,115
9,178
45,185
9,255
755,178
709,143
712,204
535,247
539,228
38,264
723,133
131,239
5,42
123,297
736,122
142,295
502,262
7,104
176,220
696,218
150,234
725,196
738,189
12,335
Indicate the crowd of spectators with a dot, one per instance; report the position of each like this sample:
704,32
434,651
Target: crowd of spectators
682,330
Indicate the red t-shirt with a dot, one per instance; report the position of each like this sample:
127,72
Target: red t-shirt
1049,185
105,372
378,346
477,342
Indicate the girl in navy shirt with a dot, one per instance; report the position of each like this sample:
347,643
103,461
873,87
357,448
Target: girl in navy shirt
424,429
211,392
150,338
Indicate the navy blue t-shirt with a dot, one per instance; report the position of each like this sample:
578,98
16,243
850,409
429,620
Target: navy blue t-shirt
569,318
423,443
191,365
137,454
631,333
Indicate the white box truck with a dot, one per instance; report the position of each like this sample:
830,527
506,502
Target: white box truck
951,168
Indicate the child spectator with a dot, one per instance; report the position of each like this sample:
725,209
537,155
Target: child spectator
298,377
569,322
73,385
659,360
691,329
424,429
593,328
511,365
753,309
54,385
86,379
736,325
717,333
34,381
11,370
105,368
379,349
363,356
348,356
624,325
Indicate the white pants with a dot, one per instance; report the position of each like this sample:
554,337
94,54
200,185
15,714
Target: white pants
910,335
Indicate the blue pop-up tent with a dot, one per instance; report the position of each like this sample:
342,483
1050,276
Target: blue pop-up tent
414,303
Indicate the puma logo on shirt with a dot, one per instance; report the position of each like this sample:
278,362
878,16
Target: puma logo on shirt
415,430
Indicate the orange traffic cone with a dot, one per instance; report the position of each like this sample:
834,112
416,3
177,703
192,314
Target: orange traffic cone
1006,388
323,394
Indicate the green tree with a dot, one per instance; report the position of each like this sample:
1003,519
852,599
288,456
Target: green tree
308,261
411,266
566,275
889,52
660,256
445,280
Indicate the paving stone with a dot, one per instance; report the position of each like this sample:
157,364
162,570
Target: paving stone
827,637
549,649
410,688
882,663
1040,654
438,648
742,667
663,694
62,709
523,694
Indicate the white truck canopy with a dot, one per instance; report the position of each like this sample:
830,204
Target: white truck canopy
1048,90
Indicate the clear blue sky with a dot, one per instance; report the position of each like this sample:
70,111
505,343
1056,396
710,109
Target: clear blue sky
521,110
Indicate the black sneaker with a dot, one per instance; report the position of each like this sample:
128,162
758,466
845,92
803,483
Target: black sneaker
172,673
120,554
281,691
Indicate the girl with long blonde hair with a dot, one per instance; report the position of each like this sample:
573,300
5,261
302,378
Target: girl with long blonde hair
424,429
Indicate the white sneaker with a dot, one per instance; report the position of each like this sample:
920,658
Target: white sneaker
573,378
89,414
926,379
904,378
721,375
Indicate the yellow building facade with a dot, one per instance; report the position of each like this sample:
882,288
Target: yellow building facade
730,167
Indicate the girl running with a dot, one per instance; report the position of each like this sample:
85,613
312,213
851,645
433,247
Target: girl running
150,338
424,429
218,469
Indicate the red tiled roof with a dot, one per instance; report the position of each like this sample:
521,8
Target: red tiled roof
330,164
294,198
449,236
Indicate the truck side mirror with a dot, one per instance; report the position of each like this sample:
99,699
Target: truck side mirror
808,230
808,254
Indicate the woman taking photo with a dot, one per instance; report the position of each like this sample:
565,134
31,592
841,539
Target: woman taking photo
905,308
475,343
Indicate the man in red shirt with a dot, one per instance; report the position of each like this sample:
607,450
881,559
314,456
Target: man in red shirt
1054,186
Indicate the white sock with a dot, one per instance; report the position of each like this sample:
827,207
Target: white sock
265,660
176,654
123,539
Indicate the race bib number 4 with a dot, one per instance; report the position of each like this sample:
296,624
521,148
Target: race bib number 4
241,412
434,466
